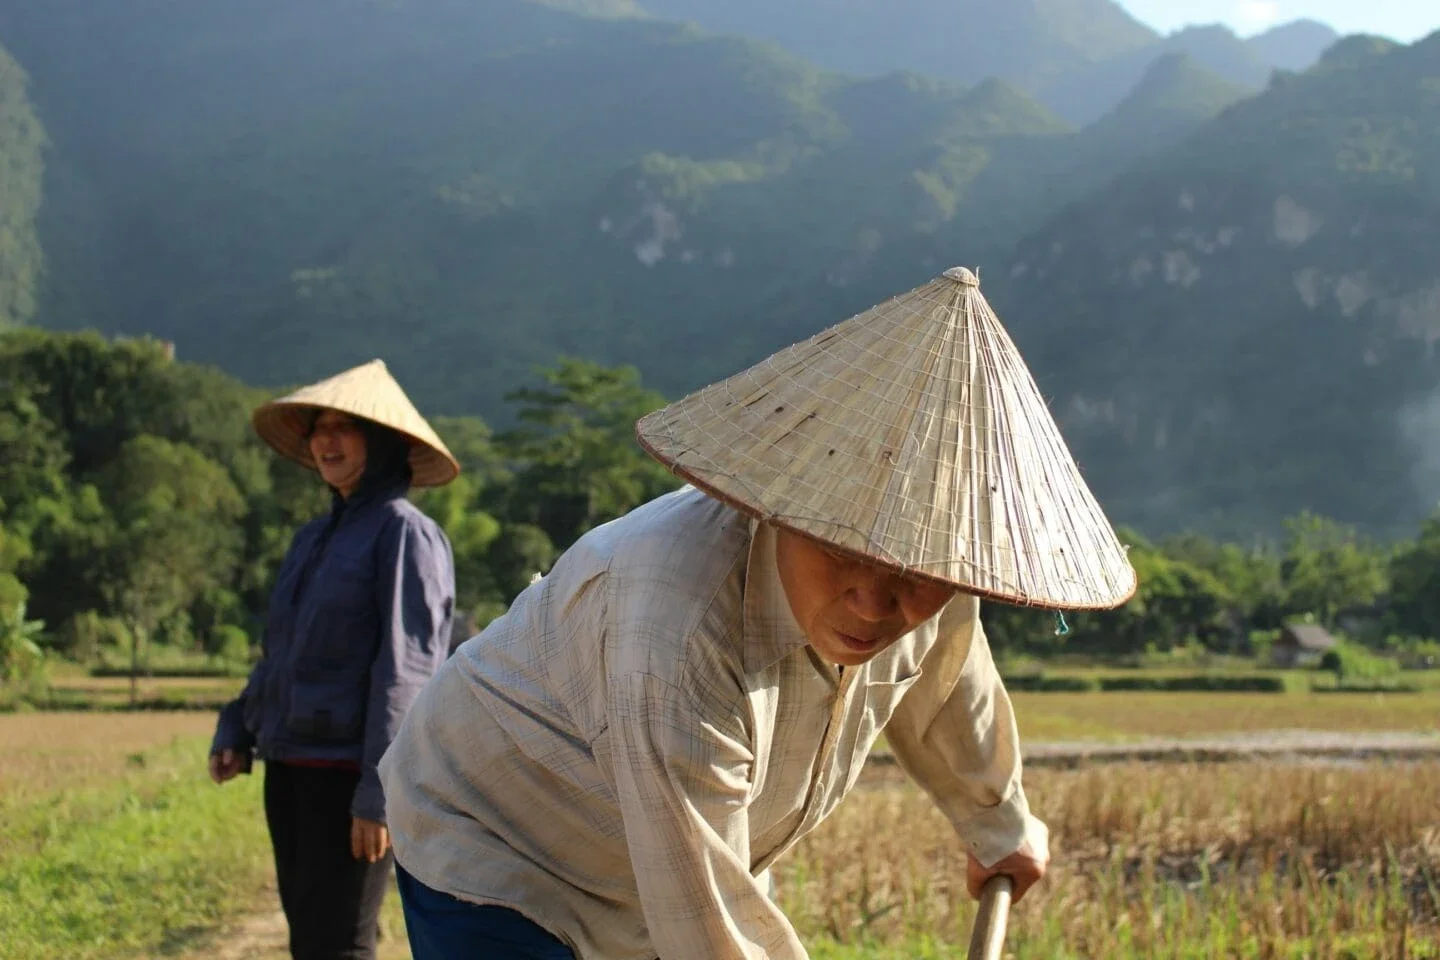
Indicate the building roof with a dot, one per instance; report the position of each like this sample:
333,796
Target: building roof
1308,636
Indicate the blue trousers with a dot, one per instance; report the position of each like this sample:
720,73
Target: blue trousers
443,928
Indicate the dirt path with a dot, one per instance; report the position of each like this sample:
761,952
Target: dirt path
263,935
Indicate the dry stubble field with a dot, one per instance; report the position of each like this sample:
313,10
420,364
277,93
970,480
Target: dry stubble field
117,846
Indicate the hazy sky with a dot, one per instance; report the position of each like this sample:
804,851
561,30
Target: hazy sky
1403,20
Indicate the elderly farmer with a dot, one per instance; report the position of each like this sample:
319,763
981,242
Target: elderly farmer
358,621
607,769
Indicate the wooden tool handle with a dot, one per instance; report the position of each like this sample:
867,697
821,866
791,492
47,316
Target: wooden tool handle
987,940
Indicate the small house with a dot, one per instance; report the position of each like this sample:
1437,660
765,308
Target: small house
1302,645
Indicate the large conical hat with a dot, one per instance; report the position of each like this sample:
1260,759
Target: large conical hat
367,391
912,434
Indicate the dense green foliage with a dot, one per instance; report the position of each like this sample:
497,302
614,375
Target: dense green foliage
137,507
143,518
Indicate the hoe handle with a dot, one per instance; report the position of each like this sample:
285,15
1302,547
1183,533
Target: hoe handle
987,940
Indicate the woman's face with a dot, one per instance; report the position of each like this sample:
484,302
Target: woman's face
851,610
338,446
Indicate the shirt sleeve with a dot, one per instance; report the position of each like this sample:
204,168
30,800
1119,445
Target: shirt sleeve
683,784
955,735
230,730
415,589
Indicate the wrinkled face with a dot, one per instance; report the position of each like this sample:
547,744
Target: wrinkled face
851,610
338,446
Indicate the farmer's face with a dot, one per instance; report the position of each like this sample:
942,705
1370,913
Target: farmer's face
338,447
851,610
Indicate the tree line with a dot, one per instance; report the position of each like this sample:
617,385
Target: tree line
139,512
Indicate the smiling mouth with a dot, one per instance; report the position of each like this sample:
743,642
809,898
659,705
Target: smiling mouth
332,459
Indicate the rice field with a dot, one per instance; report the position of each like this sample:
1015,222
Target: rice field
117,846
1118,717
1194,861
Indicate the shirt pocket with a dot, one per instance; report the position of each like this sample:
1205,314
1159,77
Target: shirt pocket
882,698
330,710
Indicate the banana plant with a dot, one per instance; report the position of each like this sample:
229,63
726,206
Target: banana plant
21,656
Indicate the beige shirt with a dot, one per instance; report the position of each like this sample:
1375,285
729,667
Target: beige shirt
646,731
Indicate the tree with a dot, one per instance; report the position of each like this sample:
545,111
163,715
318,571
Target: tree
21,657
471,531
577,462
176,514
1328,569
1415,584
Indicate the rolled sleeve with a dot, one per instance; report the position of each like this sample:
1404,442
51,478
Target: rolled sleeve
955,735
683,787
416,593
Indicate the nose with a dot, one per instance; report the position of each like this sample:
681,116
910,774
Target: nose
873,598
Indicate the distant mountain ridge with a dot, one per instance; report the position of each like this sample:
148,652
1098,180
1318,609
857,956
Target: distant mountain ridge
1225,294
1246,322
1079,57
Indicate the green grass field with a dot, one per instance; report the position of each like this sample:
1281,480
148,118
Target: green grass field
116,845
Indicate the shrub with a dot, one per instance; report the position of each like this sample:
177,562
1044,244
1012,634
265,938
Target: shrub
1210,683
86,636
1350,661
1039,683
230,644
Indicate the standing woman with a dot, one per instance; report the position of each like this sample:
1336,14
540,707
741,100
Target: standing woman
359,620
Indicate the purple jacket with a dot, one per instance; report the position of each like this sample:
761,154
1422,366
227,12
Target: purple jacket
359,620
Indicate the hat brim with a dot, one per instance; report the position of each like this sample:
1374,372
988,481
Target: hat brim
1017,598
285,426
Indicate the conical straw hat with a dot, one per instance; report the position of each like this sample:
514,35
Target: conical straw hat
912,434
367,391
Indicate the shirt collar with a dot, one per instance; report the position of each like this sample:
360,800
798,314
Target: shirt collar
771,631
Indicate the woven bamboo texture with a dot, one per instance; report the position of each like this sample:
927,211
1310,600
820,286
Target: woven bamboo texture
912,434
367,391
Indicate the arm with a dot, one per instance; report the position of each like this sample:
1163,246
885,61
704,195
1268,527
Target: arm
232,740
415,589
955,735
683,784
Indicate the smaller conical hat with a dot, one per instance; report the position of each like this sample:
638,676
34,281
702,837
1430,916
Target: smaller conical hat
368,391
912,434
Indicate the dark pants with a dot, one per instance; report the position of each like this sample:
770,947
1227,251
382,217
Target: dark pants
443,928
331,900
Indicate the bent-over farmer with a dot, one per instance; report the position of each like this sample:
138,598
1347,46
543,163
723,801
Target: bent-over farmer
608,770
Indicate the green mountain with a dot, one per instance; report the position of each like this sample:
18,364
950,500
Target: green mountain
1173,100
1243,326
1028,42
1293,46
1081,58
22,140
469,187
1088,93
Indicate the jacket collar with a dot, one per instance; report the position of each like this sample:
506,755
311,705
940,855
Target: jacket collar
367,494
